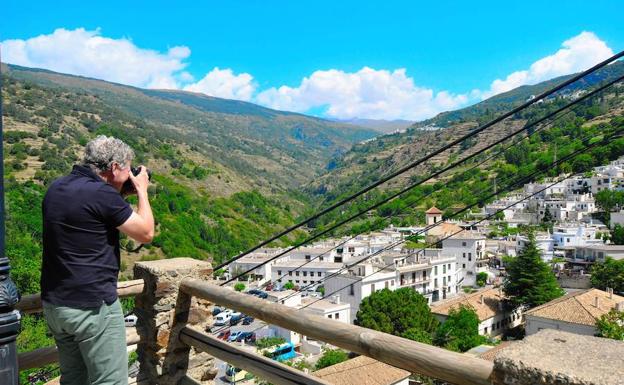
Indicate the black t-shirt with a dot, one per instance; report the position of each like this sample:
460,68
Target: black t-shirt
81,214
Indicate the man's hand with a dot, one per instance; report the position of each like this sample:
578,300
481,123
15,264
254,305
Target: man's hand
141,181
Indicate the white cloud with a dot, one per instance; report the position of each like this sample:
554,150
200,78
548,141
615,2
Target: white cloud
367,93
225,84
577,54
87,53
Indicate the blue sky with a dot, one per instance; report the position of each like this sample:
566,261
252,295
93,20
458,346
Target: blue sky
339,59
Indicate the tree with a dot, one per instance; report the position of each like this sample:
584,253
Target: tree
239,286
611,325
608,201
530,280
331,357
482,278
289,285
610,273
460,331
617,234
547,218
402,312
267,342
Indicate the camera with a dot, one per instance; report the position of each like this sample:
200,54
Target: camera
128,187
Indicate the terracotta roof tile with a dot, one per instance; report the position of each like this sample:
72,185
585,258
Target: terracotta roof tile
577,307
492,297
362,370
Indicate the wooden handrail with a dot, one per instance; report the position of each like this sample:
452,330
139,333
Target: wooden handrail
39,357
402,353
263,367
31,303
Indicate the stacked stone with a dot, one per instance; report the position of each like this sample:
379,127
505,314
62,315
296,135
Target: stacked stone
162,311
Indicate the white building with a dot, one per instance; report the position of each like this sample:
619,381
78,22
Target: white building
312,273
466,247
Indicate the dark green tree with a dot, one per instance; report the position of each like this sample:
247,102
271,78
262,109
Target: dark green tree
402,312
460,331
331,357
548,217
617,235
608,201
239,286
611,325
482,278
610,273
530,281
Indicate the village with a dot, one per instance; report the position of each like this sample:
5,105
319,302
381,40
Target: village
449,262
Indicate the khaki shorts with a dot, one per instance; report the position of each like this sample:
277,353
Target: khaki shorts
91,344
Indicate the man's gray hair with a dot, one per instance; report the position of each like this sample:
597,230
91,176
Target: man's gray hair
101,152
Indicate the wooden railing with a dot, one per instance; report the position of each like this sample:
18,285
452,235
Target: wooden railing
30,304
399,352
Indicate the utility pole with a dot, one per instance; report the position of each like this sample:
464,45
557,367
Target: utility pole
9,317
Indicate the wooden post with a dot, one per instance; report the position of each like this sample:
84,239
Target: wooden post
396,351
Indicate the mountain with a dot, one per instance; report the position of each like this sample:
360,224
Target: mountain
227,174
486,109
267,148
380,125
367,162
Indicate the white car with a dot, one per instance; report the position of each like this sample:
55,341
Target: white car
223,318
130,320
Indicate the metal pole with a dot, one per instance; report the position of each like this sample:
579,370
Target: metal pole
9,317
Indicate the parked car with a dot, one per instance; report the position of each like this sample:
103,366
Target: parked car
130,320
236,319
262,295
247,336
248,320
224,335
254,291
234,336
223,318
216,310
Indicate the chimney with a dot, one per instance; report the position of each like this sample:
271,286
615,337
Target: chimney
596,301
619,306
481,299
610,293
336,299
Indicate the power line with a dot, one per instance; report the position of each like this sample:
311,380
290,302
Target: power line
435,174
509,187
427,157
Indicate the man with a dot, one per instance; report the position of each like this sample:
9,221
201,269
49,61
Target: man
83,213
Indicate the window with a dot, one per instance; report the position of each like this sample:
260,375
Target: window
340,250
318,274
464,255
449,267
297,273
279,272
351,290
387,284
424,274
464,244
305,282
329,316
435,270
469,257
338,259
392,283
297,281
413,276
305,273
337,315
443,281
307,257
351,250
290,273
321,259
463,265
435,282
443,269
485,330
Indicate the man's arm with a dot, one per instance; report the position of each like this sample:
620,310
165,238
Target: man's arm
140,225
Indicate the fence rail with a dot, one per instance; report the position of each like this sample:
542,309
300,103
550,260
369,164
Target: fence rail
30,304
263,367
396,351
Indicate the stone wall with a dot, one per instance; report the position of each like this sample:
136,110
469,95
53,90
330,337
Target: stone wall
553,357
162,311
